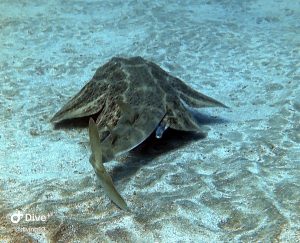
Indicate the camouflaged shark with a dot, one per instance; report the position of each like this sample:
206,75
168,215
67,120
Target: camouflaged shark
132,98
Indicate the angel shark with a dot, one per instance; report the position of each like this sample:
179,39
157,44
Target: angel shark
132,98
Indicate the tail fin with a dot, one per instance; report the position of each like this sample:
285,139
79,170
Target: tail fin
97,163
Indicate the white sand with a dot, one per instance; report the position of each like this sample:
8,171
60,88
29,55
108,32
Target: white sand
241,183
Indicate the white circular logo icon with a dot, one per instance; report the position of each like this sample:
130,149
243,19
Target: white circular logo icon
16,217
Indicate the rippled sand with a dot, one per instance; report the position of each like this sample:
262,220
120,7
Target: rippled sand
240,182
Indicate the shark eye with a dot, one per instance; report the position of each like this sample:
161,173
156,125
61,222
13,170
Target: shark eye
161,128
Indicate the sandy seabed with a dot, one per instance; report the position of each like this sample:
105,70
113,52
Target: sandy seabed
238,183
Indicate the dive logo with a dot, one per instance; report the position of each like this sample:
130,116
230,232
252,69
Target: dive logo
28,217
16,217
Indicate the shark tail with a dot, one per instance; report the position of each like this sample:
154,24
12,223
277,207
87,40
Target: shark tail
97,162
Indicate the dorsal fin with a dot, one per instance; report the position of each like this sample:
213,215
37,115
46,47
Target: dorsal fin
128,113
112,133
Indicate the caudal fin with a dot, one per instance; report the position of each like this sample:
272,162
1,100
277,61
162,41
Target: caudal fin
97,163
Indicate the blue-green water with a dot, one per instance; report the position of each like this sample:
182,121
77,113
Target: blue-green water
239,183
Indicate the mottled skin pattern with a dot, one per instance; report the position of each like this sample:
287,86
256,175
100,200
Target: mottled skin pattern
132,97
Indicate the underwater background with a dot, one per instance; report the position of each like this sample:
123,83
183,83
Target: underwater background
238,183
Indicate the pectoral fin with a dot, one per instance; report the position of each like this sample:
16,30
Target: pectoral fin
97,163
